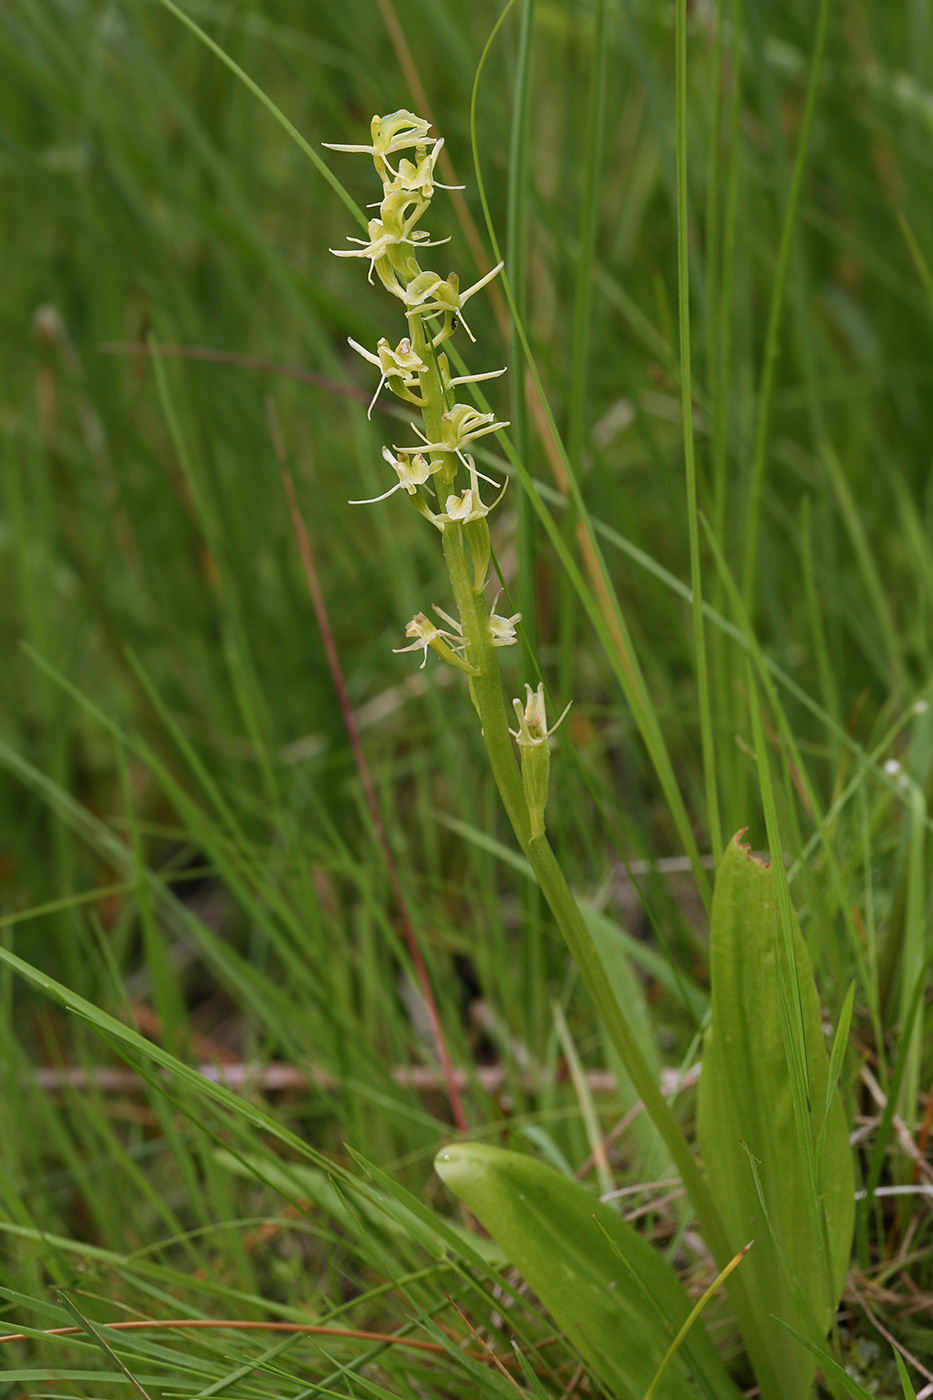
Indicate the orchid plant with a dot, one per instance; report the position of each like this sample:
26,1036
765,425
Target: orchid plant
441,480
440,469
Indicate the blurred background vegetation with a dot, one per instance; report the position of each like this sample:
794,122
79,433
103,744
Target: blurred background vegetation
184,841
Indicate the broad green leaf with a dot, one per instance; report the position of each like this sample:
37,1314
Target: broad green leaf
797,1268
616,1299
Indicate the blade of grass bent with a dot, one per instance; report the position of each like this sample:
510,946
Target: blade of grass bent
272,109
602,605
372,801
101,1342
830,1367
700,1304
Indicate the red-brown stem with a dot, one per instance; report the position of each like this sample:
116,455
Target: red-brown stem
237,1325
229,357
372,801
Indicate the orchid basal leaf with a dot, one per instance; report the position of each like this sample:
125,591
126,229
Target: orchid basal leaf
748,1132
614,1296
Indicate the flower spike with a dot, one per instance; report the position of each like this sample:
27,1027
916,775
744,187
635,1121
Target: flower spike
406,160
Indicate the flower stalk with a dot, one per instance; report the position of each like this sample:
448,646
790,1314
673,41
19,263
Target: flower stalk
432,473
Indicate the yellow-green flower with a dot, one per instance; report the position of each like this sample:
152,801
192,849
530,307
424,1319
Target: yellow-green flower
446,644
397,131
461,425
532,719
412,473
399,367
431,295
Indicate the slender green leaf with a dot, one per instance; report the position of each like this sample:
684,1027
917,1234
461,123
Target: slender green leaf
87,1326
909,1392
831,1367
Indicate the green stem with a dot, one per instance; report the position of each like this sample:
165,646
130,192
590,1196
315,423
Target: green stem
579,940
516,259
487,696
772,342
693,529
486,687
486,691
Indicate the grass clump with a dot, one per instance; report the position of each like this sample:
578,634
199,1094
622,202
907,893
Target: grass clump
266,943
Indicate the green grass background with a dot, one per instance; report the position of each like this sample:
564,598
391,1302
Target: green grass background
183,838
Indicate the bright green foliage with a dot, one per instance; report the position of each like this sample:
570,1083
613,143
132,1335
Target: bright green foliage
614,1296
746,1107
909,1392
722,337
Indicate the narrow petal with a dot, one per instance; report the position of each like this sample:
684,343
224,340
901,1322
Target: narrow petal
373,499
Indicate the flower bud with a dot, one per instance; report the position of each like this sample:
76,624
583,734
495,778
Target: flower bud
532,736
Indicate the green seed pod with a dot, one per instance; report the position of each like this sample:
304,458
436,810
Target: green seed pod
536,773
532,736
477,533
